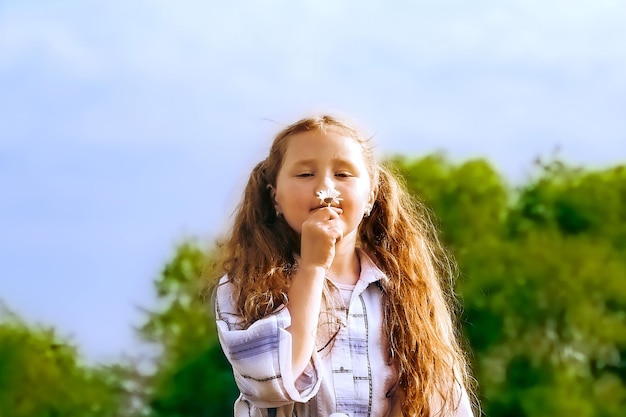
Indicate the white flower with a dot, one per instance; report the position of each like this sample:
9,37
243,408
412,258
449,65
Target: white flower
329,197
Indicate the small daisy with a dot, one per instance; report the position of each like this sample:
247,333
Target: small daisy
329,197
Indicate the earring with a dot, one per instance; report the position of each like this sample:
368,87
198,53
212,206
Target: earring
368,209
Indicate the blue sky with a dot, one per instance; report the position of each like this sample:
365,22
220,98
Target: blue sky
128,126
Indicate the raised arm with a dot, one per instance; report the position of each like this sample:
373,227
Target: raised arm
320,232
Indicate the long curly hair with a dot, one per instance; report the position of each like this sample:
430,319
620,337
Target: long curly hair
419,306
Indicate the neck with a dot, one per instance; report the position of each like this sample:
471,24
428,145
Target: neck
346,267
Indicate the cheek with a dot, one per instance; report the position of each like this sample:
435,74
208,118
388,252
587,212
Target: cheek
356,203
359,197
289,196
281,202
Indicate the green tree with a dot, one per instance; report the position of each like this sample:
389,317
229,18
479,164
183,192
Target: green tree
42,375
192,378
543,282
469,200
574,201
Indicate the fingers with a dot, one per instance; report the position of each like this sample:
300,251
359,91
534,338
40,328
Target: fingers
334,229
320,233
326,219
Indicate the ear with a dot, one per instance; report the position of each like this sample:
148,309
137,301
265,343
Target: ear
272,190
370,204
372,198
273,197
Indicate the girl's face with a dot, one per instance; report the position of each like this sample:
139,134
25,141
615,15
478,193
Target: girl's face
315,161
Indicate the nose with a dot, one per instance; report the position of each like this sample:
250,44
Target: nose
326,183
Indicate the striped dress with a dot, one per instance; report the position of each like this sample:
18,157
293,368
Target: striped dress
348,375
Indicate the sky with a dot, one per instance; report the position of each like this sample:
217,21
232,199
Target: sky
127,127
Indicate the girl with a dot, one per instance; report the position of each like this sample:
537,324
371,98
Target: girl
336,298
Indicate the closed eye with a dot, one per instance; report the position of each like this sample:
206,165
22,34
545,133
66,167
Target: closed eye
304,175
343,174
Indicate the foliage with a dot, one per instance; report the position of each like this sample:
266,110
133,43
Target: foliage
543,282
193,377
41,375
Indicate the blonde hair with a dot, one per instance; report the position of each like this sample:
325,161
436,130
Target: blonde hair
419,301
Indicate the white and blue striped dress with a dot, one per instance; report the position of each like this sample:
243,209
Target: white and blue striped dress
349,376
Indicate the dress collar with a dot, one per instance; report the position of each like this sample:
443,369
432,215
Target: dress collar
369,271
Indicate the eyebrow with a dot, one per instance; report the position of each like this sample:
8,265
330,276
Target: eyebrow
334,160
304,162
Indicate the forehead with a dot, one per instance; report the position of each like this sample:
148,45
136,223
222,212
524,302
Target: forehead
325,145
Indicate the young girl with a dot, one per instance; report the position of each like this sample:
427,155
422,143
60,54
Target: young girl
336,298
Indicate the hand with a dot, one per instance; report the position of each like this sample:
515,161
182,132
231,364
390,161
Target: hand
320,233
